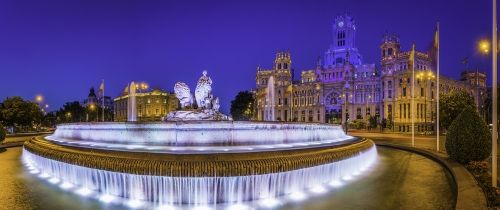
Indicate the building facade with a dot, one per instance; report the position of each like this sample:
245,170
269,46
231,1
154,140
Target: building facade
151,105
342,89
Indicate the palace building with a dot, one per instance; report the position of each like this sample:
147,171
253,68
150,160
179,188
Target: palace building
342,89
151,105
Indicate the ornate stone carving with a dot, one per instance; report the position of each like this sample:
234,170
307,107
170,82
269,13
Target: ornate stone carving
203,91
183,93
208,104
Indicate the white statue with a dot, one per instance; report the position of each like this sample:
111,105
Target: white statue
216,105
203,90
208,105
183,93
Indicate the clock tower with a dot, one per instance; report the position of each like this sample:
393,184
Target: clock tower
343,47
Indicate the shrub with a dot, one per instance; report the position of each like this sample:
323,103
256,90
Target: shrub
3,133
357,124
469,138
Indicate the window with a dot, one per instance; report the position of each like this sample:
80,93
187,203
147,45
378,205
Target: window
404,91
421,91
279,65
389,51
285,66
404,108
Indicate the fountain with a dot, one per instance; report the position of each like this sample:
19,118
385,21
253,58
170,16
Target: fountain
270,100
197,157
131,105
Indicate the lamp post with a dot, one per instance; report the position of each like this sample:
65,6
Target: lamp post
495,102
424,77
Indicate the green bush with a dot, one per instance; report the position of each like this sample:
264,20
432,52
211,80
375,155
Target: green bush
468,138
3,133
357,124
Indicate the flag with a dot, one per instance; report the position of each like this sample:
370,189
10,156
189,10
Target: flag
433,49
411,59
101,90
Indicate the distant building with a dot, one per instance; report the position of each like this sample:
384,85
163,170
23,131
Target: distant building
92,98
151,106
341,88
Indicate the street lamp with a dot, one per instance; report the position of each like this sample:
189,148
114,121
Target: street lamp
68,115
424,77
484,46
39,98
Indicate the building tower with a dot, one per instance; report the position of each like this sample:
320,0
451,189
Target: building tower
389,49
344,42
283,69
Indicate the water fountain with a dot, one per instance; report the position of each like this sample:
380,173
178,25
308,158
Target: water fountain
197,157
270,100
132,104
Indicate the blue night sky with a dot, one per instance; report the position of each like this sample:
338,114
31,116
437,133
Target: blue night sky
62,48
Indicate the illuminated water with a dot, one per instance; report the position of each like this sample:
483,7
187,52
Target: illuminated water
162,190
399,180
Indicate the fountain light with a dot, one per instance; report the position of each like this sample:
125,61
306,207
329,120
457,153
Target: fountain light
298,196
270,203
83,192
134,203
54,180
318,189
44,175
66,185
166,207
238,206
336,183
202,208
347,177
106,198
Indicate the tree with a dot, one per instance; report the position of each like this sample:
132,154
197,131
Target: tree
71,112
17,112
50,119
3,133
452,104
242,106
469,138
372,122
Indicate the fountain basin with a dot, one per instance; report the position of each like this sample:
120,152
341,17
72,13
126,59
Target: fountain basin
319,154
200,133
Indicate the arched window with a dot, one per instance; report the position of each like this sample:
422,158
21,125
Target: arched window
279,65
285,66
389,51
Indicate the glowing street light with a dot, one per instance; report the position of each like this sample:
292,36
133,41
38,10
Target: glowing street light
39,98
484,46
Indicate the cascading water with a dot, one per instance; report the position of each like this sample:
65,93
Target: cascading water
162,190
132,105
270,100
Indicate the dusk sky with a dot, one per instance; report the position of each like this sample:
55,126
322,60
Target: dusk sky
62,48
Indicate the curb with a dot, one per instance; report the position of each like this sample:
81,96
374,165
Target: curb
469,195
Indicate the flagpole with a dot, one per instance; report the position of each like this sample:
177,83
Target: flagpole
413,98
103,100
437,107
495,102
